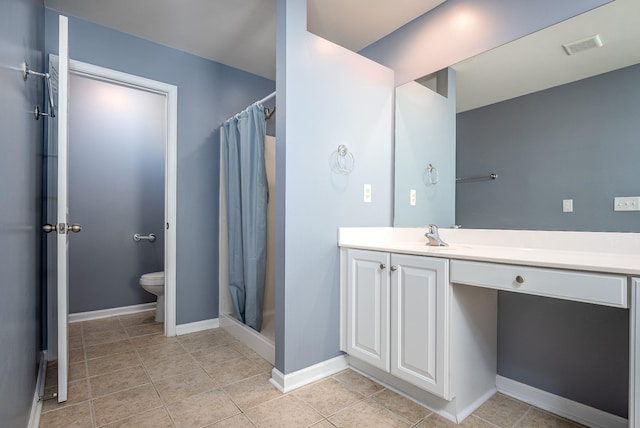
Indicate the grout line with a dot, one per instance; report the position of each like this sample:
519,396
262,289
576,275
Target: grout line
522,417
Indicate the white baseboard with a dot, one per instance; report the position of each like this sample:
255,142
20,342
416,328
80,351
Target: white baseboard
295,380
36,405
194,327
111,312
559,405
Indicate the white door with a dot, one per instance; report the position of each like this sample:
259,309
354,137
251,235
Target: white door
56,193
420,322
368,307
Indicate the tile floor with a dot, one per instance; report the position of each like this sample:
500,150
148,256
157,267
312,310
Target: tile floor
124,373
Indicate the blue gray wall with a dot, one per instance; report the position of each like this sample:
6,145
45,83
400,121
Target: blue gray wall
21,139
117,137
208,93
425,133
333,96
576,141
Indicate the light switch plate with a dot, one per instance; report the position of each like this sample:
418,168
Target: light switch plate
629,203
567,205
367,193
412,197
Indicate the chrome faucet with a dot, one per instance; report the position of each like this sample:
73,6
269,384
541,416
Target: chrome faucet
433,237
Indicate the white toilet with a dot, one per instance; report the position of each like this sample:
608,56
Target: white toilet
154,283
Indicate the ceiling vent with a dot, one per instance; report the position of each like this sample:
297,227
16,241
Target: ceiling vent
582,45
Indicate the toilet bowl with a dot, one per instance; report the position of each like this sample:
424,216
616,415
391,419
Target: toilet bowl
154,283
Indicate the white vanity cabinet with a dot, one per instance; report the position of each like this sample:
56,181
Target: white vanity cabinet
397,316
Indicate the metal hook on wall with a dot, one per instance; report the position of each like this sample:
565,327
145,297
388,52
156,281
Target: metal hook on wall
26,72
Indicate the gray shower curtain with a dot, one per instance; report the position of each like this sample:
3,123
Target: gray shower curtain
247,212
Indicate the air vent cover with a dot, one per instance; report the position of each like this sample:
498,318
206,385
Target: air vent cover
582,45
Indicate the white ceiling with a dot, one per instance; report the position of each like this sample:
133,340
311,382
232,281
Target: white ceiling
538,61
241,34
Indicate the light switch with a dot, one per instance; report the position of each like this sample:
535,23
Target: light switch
567,205
367,193
629,203
412,197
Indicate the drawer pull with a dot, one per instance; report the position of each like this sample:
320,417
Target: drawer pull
520,279
394,268
382,266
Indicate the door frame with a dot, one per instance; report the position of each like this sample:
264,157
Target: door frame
171,170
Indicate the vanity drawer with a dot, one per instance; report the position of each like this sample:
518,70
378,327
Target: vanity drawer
601,289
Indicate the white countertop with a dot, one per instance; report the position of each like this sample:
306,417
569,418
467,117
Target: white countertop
587,251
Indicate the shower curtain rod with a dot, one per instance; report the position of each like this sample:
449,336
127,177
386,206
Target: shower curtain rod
268,97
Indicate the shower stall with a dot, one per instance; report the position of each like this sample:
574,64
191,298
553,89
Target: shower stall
263,341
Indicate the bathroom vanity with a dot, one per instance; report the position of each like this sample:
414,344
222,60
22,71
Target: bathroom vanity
423,319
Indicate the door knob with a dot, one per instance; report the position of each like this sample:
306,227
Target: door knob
75,228
394,268
48,228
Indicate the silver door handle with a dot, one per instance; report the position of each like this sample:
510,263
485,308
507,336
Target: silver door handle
150,237
48,228
75,228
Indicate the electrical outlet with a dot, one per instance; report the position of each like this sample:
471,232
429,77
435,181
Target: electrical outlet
629,203
412,197
367,193
567,205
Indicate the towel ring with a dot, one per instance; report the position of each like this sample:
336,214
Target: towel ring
431,175
344,160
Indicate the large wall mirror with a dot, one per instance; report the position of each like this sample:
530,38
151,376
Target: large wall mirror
562,132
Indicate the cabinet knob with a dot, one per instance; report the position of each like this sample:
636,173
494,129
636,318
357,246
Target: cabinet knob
382,266
520,279
394,268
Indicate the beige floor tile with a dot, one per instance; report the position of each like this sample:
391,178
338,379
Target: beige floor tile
245,350
184,385
328,396
252,392
367,414
501,411
232,371
154,418
202,409
98,351
323,424
77,371
264,365
112,363
77,392
106,336
124,404
400,405
171,366
76,355
103,324
218,354
117,381
75,341
203,340
78,415
284,412
147,317
354,381
535,418
145,329
437,421
237,421
75,329
151,340
153,354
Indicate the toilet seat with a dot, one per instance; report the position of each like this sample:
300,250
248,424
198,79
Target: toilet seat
153,278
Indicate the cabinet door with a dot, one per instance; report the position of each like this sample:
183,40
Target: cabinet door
368,307
420,322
